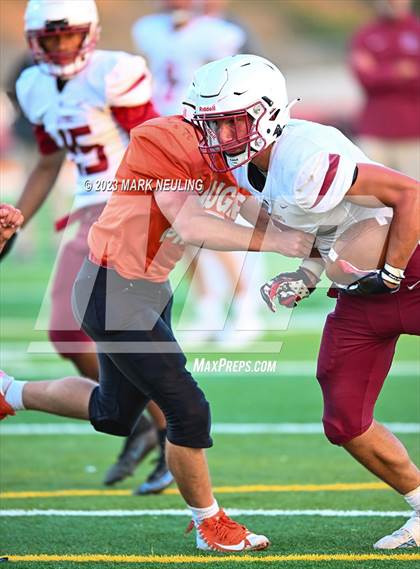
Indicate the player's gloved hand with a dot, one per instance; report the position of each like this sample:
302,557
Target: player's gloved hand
7,246
288,288
383,281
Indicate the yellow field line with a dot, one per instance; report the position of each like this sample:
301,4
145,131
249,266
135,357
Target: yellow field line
216,559
255,488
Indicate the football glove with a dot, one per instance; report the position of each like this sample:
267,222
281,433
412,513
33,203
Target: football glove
7,246
288,289
374,283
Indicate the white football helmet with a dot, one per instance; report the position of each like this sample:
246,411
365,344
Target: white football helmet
248,92
46,18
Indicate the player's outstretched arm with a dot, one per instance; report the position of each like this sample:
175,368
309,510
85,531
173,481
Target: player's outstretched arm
255,212
39,184
197,227
378,186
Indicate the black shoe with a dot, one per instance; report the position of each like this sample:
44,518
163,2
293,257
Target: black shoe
157,481
137,446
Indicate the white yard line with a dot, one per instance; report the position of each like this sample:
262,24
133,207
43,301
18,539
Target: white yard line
232,512
18,360
310,321
20,429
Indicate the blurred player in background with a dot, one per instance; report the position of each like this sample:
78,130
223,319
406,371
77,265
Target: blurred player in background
176,41
82,103
385,58
316,180
25,152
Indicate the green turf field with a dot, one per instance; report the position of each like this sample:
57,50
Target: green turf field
318,507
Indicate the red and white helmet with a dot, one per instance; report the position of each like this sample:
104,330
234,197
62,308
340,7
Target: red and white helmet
238,87
46,18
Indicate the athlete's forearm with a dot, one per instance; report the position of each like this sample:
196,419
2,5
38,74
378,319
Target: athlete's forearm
211,232
39,184
198,227
379,186
255,213
404,232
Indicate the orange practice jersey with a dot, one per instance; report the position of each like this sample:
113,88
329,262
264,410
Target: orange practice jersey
132,235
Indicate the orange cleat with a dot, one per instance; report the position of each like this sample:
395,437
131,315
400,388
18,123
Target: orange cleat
221,533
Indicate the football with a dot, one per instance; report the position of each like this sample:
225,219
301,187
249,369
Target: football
358,251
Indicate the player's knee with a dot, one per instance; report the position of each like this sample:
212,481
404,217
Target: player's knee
334,432
189,425
340,430
106,416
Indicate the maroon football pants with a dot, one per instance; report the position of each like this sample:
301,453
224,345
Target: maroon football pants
357,350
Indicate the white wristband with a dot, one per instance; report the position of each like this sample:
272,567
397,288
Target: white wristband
397,273
392,274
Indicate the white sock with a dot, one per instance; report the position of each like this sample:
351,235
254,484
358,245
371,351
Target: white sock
413,499
5,382
14,393
200,514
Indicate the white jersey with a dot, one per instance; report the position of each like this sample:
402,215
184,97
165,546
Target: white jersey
175,54
311,169
80,119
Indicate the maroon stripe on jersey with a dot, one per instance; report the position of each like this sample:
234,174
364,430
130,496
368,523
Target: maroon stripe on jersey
134,85
334,160
129,117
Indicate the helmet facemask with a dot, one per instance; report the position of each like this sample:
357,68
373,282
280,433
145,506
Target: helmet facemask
63,64
228,140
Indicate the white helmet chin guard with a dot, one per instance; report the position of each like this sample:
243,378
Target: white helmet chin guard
47,18
241,107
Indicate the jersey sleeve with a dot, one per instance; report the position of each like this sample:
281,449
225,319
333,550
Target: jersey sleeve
129,117
150,161
46,144
153,155
32,106
129,82
27,95
323,181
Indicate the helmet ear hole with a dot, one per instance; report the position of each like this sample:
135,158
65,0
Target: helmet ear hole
278,130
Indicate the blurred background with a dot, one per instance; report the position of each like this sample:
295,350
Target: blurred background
308,39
